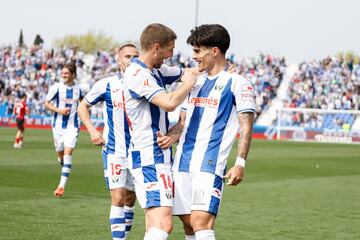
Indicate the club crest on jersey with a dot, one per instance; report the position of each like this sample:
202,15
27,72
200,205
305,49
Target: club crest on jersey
115,179
218,87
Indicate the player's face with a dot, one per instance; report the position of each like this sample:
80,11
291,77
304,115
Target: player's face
67,76
164,52
205,58
125,56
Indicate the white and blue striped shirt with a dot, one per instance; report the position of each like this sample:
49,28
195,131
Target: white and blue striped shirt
116,128
63,96
141,85
211,124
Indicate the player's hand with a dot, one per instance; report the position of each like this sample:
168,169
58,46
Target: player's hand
235,175
164,141
97,138
64,111
190,76
231,68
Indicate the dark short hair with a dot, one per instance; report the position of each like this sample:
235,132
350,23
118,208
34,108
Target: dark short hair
156,33
210,35
127,45
71,67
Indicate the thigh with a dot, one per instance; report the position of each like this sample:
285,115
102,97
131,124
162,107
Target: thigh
58,139
153,185
207,191
182,193
70,138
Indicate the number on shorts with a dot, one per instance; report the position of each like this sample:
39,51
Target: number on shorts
115,169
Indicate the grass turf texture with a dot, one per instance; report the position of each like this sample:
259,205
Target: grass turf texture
291,191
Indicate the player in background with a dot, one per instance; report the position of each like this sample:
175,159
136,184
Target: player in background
20,109
147,104
63,99
115,141
208,124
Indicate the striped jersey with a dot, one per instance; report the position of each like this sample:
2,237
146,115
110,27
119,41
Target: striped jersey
211,124
65,96
116,129
145,119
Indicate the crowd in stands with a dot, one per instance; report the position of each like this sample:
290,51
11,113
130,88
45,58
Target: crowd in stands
33,70
330,83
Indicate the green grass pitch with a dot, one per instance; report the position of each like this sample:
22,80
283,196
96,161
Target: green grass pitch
291,191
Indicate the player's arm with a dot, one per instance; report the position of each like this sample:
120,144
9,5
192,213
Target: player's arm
51,107
173,136
170,101
236,173
84,114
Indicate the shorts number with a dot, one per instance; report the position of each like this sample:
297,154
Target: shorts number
115,169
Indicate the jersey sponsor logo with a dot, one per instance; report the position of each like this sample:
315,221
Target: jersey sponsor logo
116,90
204,101
247,93
67,100
146,83
119,104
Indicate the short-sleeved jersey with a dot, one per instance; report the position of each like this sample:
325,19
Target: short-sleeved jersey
211,124
145,119
116,129
20,109
65,96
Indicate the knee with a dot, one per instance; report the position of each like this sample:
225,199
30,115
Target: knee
117,200
199,224
130,198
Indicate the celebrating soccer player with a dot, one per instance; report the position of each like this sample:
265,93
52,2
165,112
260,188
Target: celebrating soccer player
146,105
63,99
210,118
115,141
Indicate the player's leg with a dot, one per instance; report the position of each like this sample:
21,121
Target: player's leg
20,127
70,139
153,185
129,203
59,145
182,201
115,177
207,192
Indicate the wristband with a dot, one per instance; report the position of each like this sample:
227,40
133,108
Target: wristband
240,162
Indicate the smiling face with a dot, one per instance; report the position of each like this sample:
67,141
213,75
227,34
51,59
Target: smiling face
163,52
67,76
205,57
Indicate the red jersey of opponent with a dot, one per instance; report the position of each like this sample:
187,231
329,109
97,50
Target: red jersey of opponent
20,109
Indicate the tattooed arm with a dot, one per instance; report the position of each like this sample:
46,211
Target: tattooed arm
166,141
236,173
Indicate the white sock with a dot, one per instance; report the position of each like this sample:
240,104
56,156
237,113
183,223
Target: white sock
117,222
129,217
145,236
65,170
205,235
190,237
156,234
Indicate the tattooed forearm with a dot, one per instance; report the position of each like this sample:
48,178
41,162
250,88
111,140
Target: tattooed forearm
246,121
177,129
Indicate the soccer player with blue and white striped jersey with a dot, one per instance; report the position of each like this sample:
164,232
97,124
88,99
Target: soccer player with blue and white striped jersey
115,141
147,104
63,99
218,104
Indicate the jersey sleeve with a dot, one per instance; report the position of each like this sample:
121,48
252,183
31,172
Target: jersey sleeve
52,92
244,94
96,93
170,74
142,85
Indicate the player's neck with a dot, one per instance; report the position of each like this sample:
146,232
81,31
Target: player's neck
218,67
69,84
147,59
